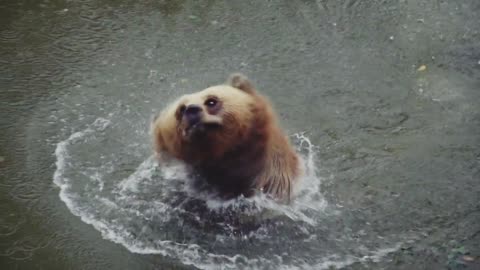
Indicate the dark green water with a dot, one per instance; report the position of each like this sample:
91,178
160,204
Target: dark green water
395,180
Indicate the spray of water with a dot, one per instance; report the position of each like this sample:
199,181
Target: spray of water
150,209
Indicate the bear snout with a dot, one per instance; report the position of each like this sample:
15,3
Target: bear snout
193,114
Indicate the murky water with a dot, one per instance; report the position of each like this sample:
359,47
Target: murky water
382,98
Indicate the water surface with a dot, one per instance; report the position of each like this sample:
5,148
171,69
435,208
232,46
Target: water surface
380,97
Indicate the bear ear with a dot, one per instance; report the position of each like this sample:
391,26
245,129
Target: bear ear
241,82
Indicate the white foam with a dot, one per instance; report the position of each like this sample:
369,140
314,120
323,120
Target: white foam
144,171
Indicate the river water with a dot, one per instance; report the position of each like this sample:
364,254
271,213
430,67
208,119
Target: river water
381,98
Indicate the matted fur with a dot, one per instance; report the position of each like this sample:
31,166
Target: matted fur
240,148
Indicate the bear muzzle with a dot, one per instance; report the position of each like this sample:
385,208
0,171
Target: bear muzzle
193,121
196,122
193,114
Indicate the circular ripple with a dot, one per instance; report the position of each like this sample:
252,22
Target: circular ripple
110,181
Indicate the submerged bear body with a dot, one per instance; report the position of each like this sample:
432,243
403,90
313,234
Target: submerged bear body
229,136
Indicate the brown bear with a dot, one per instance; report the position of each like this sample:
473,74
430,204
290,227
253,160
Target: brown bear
229,135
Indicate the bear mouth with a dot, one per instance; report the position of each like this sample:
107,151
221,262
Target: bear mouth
198,129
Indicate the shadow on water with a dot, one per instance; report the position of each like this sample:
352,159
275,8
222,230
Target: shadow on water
386,92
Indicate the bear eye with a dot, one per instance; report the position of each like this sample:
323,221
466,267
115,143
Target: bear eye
211,102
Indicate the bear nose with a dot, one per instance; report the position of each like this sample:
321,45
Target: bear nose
193,113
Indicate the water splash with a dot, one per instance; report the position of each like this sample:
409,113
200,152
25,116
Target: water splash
150,209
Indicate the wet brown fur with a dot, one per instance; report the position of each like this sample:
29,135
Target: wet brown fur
248,152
